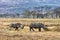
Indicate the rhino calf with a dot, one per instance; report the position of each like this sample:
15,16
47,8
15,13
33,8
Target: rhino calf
16,26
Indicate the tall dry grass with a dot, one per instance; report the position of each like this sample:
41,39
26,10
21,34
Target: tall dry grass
25,34
53,24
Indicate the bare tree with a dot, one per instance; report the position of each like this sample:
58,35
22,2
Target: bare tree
57,11
26,14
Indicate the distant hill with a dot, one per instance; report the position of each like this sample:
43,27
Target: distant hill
18,6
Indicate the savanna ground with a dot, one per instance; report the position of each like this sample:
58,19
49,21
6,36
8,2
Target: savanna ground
25,34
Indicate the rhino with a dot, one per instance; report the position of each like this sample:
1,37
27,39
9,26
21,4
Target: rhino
16,26
33,26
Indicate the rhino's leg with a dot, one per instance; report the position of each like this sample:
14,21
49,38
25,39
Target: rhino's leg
31,29
16,28
39,29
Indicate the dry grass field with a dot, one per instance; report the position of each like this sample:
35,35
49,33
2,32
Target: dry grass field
25,34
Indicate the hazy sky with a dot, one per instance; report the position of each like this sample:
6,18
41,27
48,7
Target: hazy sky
16,6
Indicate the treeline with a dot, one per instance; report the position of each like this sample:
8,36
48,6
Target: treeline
37,12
